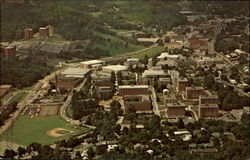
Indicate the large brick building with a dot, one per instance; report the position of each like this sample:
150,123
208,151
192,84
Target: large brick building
212,99
70,78
208,110
175,110
10,52
140,102
44,32
28,33
181,84
208,106
133,90
194,92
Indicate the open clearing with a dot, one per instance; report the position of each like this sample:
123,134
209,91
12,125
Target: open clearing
150,53
27,130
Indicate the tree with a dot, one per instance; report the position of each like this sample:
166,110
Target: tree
180,124
90,152
9,153
119,78
145,59
21,151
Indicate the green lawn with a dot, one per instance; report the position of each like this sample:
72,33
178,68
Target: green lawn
19,97
27,130
112,46
150,53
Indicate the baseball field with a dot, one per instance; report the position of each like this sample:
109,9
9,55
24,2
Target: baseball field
35,129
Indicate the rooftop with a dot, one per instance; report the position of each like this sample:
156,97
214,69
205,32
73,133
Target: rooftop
167,55
194,88
115,67
92,62
75,71
176,105
209,106
208,97
5,86
154,73
133,86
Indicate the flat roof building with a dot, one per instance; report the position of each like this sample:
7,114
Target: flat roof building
208,110
10,52
91,63
133,90
28,33
140,102
212,99
75,72
44,32
194,92
175,110
181,84
114,68
70,78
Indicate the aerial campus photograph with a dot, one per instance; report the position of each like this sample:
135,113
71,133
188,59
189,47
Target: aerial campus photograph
124,79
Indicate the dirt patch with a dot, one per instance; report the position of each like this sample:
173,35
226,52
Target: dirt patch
58,132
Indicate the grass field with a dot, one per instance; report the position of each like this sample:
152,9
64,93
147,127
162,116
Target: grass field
112,47
150,53
27,130
19,97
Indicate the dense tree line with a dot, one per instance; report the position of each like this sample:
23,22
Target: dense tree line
7,111
22,73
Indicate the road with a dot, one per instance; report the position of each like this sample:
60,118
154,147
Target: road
154,101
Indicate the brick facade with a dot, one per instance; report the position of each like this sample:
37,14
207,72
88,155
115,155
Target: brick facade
44,32
10,52
208,110
194,92
175,110
133,90
182,83
28,33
